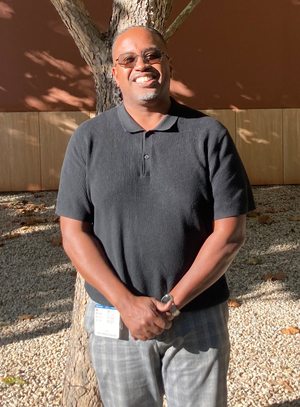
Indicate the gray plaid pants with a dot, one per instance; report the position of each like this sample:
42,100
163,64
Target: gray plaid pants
188,363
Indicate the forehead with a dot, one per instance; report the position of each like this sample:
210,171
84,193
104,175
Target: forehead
136,40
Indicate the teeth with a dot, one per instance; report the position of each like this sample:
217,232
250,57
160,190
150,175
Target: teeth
143,79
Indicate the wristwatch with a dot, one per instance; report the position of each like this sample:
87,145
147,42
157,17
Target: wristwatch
174,310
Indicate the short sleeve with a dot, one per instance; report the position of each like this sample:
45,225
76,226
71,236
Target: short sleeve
231,190
73,195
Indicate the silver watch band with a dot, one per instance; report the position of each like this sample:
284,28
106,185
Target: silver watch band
174,310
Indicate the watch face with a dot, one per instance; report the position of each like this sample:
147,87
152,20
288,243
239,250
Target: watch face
166,298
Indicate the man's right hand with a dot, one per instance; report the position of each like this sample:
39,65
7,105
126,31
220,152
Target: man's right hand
146,317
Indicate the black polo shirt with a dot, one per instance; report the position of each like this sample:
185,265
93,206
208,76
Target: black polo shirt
152,195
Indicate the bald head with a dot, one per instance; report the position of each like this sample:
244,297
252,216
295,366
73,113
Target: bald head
150,29
134,32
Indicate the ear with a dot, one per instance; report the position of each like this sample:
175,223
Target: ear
115,74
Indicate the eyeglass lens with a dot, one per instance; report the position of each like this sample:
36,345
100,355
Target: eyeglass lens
129,59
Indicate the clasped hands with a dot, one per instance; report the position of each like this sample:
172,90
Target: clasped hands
146,317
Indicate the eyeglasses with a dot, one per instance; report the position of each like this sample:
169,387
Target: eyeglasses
150,56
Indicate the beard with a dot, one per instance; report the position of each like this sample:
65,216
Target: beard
148,96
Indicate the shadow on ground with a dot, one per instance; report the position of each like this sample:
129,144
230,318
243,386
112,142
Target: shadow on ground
37,278
275,246
293,403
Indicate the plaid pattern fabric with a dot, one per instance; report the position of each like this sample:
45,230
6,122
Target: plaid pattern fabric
188,363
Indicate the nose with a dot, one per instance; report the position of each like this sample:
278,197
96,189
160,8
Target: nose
140,64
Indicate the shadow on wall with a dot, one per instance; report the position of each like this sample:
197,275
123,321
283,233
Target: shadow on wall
228,63
37,75
32,148
228,67
32,144
42,79
179,89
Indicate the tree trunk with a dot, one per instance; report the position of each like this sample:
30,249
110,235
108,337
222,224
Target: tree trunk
80,384
125,13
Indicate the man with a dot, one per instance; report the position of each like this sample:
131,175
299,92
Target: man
153,201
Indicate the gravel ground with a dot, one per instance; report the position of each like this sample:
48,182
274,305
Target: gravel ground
37,286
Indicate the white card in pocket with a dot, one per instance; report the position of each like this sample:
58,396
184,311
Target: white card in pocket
107,322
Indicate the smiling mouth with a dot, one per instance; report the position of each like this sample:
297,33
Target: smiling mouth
143,79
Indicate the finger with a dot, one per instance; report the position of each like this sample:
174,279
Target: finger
169,316
160,306
168,324
156,330
164,317
148,335
159,324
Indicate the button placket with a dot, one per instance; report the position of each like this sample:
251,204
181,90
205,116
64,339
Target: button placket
147,142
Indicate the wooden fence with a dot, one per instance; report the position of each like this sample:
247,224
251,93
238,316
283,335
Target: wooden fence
32,145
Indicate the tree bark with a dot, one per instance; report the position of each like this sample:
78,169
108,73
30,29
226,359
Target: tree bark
80,384
180,19
125,13
82,28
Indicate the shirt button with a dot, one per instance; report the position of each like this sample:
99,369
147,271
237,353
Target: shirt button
146,156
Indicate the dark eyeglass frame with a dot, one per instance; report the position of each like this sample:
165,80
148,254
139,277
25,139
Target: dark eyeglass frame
144,57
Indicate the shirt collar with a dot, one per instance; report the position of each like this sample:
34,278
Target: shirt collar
132,126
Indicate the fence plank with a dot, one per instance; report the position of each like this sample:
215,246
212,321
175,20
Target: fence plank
291,145
259,142
20,152
56,129
226,117
32,145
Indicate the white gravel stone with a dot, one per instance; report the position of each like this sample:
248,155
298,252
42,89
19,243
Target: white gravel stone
35,279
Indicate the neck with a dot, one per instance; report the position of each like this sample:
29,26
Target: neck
148,115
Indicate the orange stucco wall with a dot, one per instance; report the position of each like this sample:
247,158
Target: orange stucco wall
233,53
